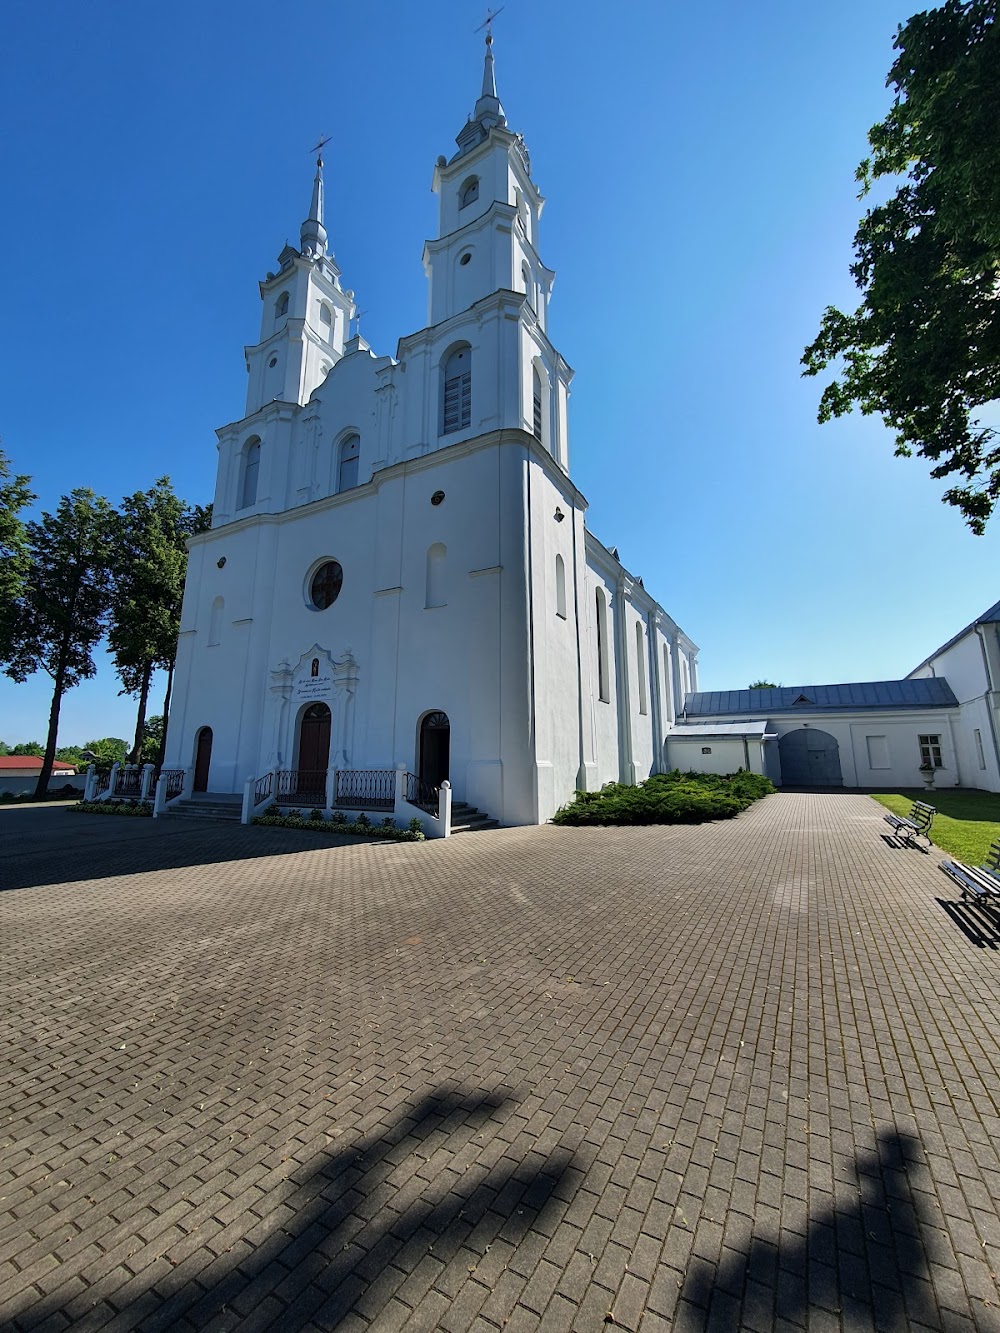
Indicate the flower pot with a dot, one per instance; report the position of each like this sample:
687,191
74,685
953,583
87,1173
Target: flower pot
928,777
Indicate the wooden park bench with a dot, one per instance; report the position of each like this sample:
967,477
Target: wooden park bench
915,825
977,882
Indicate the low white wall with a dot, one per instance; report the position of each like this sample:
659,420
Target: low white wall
18,785
725,754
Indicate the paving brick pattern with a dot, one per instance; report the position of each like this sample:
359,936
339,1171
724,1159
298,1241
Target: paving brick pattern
741,1076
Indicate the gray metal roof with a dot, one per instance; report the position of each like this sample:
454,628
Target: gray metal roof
754,729
989,617
930,692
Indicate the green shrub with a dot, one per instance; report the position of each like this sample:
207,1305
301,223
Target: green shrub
667,798
139,809
363,828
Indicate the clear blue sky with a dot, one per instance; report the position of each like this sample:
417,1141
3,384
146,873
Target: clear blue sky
698,164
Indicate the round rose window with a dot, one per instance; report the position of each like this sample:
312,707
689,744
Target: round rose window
326,584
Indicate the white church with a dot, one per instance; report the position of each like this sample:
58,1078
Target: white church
399,576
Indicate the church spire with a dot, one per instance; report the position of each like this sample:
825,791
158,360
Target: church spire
488,109
313,233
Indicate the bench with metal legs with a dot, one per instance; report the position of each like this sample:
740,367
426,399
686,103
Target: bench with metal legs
916,825
978,883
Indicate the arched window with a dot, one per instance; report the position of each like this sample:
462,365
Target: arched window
215,623
281,307
326,321
251,467
437,558
603,673
456,396
347,464
469,192
536,404
560,587
640,664
529,286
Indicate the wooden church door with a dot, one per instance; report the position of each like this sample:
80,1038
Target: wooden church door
314,739
203,759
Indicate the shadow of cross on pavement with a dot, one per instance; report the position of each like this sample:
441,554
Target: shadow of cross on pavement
358,1225
868,1262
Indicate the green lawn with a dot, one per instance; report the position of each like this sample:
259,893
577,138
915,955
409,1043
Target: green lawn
966,823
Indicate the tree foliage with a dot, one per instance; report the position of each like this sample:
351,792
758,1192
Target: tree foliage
58,619
923,348
763,685
14,557
110,750
150,561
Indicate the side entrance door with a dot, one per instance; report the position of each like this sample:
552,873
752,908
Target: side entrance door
435,748
203,759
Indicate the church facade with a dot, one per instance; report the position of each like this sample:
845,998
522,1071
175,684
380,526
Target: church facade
399,570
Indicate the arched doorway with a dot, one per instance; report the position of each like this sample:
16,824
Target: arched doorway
435,748
314,739
202,759
810,758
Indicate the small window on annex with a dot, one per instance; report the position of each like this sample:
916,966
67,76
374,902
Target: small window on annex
930,751
469,192
251,469
560,587
456,394
348,462
979,747
324,588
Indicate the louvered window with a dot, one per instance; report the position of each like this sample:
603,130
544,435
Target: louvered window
457,408
536,406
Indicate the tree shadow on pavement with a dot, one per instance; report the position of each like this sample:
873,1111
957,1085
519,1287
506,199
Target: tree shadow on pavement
864,1265
354,1229
70,847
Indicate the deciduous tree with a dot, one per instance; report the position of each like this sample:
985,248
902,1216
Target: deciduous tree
149,566
14,557
59,617
923,348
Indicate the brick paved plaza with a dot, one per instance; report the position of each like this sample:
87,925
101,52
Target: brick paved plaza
737,1076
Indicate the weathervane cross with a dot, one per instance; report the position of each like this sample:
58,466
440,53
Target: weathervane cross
487,23
318,148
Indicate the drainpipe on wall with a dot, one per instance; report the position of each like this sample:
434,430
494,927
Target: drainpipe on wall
989,690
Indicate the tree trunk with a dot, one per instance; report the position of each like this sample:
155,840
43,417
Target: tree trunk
166,717
42,785
140,721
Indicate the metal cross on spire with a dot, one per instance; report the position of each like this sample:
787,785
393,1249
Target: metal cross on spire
487,23
318,148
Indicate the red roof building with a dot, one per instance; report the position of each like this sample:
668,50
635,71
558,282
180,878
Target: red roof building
23,765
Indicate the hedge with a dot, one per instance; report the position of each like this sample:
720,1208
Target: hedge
140,809
361,828
667,798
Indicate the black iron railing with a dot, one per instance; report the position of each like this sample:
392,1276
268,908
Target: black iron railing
296,786
102,780
175,781
366,788
262,789
128,782
424,795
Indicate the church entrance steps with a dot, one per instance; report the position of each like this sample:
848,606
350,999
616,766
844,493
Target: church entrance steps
208,805
468,819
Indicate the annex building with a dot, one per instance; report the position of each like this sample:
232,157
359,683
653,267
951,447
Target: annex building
399,571
942,719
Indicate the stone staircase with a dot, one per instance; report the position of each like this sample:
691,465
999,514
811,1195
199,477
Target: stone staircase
468,819
208,805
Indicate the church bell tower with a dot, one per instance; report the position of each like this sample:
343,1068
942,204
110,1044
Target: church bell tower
488,215
305,318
